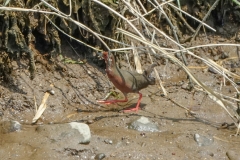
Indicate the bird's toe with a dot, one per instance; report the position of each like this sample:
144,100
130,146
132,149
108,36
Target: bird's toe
105,102
130,110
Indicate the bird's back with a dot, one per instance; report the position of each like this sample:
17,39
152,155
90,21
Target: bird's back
130,81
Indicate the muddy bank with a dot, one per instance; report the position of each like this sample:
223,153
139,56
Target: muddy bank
76,92
204,131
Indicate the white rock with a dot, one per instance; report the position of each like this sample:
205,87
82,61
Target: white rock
143,120
143,124
83,129
68,134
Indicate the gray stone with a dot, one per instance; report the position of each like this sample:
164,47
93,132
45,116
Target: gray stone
202,140
9,126
73,132
233,155
143,124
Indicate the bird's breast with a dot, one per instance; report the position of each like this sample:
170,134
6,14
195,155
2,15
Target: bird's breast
119,81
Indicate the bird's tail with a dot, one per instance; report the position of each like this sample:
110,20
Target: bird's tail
148,72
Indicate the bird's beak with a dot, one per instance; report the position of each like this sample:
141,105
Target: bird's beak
100,54
103,55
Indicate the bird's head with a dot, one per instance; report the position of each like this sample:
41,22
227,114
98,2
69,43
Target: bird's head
109,59
105,55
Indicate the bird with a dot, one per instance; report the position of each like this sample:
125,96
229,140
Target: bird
126,81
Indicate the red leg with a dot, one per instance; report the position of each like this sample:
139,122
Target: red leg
137,106
112,101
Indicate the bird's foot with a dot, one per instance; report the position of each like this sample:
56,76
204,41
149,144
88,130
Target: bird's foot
131,110
106,101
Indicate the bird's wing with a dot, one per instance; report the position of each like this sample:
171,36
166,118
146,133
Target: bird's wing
135,81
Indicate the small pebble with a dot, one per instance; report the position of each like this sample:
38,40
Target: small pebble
89,72
184,86
224,55
90,121
211,154
107,141
210,69
143,134
233,155
52,92
99,156
216,58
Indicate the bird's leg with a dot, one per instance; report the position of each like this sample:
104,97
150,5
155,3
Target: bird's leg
113,101
137,106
